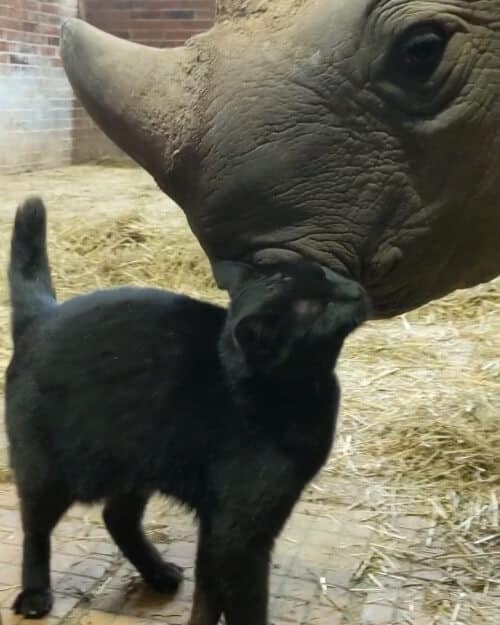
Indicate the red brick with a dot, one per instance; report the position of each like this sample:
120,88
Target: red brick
152,22
11,23
52,7
29,56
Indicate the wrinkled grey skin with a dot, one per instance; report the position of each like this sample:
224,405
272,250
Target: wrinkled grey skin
310,126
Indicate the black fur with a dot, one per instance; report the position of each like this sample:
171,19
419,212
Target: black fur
122,393
31,289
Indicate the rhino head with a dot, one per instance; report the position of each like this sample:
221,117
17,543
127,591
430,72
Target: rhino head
364,134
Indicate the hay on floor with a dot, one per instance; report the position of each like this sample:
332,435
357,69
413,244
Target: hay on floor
131,247
419,441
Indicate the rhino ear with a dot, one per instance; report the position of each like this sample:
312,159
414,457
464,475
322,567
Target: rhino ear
230,274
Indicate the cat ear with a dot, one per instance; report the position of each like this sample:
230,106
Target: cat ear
260,337
344,288
230,274
352,304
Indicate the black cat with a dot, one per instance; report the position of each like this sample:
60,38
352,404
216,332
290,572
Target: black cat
123,393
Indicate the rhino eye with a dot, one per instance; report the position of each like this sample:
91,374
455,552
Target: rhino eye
420,51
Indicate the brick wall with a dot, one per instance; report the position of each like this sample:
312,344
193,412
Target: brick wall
158,23
41,124
36,102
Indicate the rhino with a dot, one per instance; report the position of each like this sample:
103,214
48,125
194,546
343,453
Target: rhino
363,134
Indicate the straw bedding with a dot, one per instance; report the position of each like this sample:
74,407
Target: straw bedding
419,443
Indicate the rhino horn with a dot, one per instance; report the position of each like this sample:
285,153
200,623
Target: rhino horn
139,96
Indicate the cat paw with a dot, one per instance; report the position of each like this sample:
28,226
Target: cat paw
166,579
33,603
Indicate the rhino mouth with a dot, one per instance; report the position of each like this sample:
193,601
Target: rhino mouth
271,255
